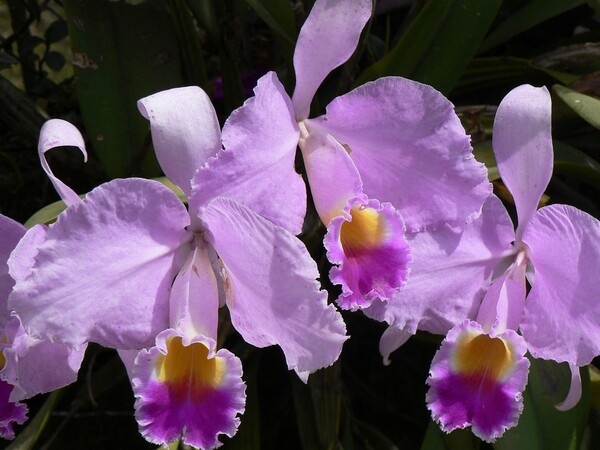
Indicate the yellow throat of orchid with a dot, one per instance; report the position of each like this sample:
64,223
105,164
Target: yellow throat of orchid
188,369
484,357
366,230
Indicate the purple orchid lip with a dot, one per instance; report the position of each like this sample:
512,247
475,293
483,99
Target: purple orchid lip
188,391
369,247
477,380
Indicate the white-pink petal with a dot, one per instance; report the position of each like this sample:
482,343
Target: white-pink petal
411,150
185,131
522,143
271,288
562,313
256,168
105,269
60,133
327,39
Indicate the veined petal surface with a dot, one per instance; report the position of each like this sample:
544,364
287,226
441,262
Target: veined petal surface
562,313
411,150
60,133
256,168
34,366
522,143
368,246
271,288
185,131
187,391
477,380
450,272
105,268
327,39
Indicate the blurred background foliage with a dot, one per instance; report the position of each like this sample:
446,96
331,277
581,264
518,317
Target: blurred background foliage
89,61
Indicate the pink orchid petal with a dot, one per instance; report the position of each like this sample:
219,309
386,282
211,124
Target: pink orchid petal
105,269
60,133
187,391
450,273
185,131
411,150
256,168
327,39
271,288
35,366
11,413
522,143
369,247
194,300
477,380
11,233
562,313
575,390
392,339
332,176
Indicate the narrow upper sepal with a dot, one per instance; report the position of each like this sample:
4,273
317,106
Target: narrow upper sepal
326,40
522,143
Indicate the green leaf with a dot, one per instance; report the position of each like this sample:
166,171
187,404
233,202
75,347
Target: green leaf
369,437
47,214
121,53
541,426
307,425
28,437
484,153
436,439
500,74
588,108
573,162
531,14
435,48
278,16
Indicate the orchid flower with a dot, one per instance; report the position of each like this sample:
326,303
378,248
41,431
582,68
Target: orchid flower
478,375
387,157
131,268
